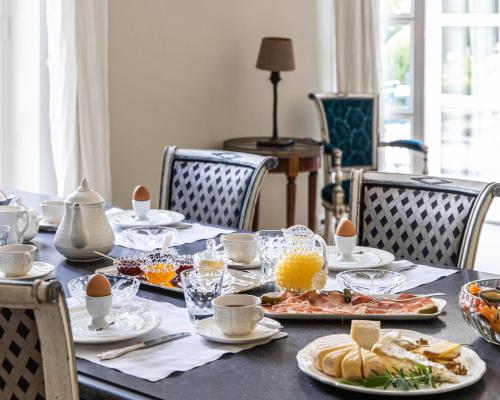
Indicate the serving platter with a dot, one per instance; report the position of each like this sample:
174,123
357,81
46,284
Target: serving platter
440,303
372,258
126,219
469,358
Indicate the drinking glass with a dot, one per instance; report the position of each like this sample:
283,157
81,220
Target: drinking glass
201,285
4,234
271,244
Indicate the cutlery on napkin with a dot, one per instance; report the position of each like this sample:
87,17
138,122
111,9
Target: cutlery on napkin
109,355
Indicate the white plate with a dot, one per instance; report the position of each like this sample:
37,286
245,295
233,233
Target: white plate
209,330
394,317
474,364
126,219
45,226
376,258
255,263
38,270
129,322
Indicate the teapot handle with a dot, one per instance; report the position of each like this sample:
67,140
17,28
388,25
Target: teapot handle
78,233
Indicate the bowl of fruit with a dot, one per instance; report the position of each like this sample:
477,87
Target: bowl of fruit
479,303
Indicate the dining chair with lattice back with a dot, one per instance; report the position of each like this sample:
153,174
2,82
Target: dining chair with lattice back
37,360
213,186
423,219
349,126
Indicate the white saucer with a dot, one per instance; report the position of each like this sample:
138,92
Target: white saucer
45,226
126,219
208,330
255,263
38,270
370,257
129,321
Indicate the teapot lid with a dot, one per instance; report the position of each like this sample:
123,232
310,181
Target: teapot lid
84,195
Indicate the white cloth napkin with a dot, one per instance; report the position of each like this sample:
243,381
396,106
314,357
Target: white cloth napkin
418,276
160,361
186,235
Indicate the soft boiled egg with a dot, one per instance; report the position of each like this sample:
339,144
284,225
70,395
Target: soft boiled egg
98,286
141,193
346,228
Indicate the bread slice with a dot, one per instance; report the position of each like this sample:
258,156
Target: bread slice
372,363
351,365
332,363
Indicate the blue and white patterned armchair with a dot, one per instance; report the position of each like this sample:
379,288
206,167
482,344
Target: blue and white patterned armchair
213,186
349,131
424,219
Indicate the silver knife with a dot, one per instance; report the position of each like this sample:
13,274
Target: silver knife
108,355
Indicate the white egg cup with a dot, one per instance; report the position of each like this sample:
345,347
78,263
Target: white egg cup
141,209
98,308
346,246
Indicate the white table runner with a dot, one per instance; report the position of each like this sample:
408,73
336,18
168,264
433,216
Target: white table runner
160,361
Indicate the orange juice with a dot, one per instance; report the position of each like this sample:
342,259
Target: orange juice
300,272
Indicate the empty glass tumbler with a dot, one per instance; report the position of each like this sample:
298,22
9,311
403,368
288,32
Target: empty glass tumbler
270,244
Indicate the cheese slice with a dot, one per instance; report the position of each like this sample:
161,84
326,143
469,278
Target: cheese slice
365,333
372,364
351,365
321,347
332,363
443,350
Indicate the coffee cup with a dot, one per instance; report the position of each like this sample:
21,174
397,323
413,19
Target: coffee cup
240,247
237,314
52,211
345,246
18,219
16,259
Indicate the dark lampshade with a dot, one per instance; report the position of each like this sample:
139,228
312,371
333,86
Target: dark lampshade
276,54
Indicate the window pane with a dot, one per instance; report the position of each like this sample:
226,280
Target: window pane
397,159
396,65
470,143
471,59
397,7
470,6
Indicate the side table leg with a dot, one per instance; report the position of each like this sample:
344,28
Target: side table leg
313,186
255,223
290,200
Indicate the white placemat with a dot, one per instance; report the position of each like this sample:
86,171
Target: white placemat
418,276
160,361
186,235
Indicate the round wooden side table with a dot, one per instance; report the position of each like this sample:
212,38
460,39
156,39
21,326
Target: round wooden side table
302,156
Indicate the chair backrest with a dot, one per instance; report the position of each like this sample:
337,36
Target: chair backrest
213,186
36,347
349,122
428,220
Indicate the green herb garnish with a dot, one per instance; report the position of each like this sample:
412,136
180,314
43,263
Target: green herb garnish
417,376
347,295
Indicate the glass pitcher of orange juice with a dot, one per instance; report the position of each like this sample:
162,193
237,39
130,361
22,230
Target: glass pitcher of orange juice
301,267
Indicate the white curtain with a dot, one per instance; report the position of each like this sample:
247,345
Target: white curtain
357,46
78,104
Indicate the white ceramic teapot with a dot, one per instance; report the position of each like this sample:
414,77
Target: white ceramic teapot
84,227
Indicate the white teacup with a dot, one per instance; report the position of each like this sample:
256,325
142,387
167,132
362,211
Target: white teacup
16,259
240,247
18,219
141,209
98,308
346,246
52,211
237,314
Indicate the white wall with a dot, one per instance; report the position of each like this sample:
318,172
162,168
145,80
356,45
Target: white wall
183,73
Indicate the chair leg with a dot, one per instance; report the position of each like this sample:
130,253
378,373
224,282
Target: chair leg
328,226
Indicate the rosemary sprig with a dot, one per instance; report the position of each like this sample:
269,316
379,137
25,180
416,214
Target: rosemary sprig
417,376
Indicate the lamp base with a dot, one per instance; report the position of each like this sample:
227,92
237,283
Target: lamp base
279,142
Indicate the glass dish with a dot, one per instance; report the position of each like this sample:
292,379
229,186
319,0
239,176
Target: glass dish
371,281
147,239
123,288
130,266
478,314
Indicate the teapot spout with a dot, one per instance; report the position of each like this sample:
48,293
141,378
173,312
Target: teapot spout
79,234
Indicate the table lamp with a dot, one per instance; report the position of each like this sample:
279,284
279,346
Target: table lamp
275,55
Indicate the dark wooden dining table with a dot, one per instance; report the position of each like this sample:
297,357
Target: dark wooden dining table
269,371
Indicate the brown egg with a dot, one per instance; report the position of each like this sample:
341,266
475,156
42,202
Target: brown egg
98,286
346,228
141,193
